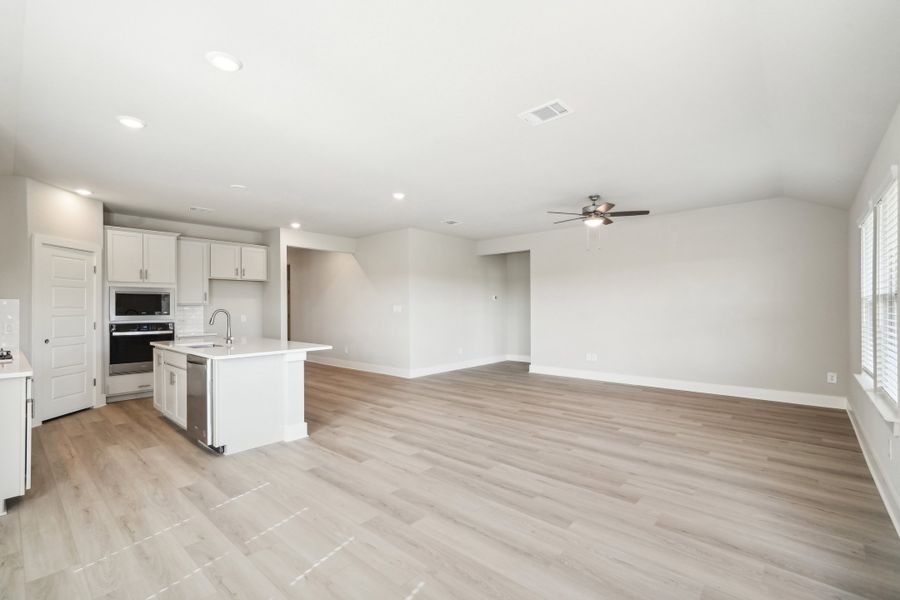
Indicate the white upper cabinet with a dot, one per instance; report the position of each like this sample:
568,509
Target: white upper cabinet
232,261
159,258
254,263
124,256
134,256
193,272
224,261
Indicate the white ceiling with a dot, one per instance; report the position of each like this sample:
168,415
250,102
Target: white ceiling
678,104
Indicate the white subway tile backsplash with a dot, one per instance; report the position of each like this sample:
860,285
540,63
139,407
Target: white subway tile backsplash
189,320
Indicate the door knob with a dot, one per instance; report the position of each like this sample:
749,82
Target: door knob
47,341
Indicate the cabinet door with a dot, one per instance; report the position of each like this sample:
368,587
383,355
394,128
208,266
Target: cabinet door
254,263
170,397
159,379
159,258
124,256
224,261
193,279
180,397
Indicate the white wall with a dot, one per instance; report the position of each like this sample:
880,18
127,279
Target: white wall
444,292
15,266
742,296
874,432
517,304
347,300
211,232
275,289
453,316
34,208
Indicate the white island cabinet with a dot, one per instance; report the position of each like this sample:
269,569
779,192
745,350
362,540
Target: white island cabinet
252,391
15,428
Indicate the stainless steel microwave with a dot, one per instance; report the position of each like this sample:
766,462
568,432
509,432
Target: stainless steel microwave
140,304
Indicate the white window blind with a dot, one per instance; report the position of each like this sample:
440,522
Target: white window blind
886,293
866,281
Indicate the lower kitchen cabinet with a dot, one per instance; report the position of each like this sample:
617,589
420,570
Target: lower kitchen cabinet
170,386
15,438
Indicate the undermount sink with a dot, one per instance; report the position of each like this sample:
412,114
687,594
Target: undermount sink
205,345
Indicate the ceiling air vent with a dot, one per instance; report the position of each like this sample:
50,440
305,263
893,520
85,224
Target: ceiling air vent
546,112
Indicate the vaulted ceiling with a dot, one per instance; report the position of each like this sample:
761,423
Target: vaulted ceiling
677,105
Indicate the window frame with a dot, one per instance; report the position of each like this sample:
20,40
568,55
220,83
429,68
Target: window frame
874,387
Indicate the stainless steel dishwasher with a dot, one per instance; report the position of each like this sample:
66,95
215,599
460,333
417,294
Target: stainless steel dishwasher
199,403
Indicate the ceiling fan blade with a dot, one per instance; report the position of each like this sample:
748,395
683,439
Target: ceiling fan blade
556,212
607,221
567,220
628,213
605,207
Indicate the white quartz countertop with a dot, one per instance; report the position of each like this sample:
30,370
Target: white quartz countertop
19,367
242,348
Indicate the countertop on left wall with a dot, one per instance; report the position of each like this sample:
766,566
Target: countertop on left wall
19,367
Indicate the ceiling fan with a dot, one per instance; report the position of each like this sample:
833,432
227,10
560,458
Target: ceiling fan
595,214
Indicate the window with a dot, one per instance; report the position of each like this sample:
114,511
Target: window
879,251
866,282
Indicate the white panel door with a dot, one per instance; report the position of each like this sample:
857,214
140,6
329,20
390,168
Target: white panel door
193,278
254,263
224,261
124,256
64,325
159,258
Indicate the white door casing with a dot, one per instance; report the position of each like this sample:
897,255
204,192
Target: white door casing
63,322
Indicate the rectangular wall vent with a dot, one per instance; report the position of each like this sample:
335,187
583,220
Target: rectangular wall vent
544,113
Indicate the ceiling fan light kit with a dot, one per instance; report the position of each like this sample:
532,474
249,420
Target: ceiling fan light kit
594,215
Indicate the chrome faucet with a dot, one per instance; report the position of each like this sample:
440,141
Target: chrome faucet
212,319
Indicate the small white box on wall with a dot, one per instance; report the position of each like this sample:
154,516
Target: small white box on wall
9,324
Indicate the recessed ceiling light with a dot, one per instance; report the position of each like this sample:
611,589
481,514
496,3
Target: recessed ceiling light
83,192
201,209
237,186
295,225
399,195
224,61
131,122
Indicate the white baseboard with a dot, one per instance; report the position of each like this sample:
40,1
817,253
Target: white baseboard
447,367
518,358
407,373
357,366
889,495
754,393
296,431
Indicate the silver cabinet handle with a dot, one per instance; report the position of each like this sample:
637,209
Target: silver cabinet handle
235,271
243,271
171,378
146,274
204,296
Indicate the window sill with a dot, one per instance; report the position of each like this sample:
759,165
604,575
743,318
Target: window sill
886,407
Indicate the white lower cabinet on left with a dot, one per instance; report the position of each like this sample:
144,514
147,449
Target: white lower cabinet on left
170,385
15,436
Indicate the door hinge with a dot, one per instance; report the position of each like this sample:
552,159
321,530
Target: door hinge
95,325
95,382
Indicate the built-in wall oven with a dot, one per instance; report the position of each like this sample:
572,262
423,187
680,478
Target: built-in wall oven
140,304
129,345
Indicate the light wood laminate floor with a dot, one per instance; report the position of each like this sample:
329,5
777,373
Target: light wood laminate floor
484,483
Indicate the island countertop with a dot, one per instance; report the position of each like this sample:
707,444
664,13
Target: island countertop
19,367
242,348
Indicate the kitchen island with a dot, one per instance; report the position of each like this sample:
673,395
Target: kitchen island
233,397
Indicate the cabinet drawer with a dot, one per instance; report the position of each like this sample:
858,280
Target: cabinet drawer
176,359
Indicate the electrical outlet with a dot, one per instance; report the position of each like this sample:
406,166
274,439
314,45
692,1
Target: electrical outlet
398,308
459,351
346,349
591,356
243,318
831,377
